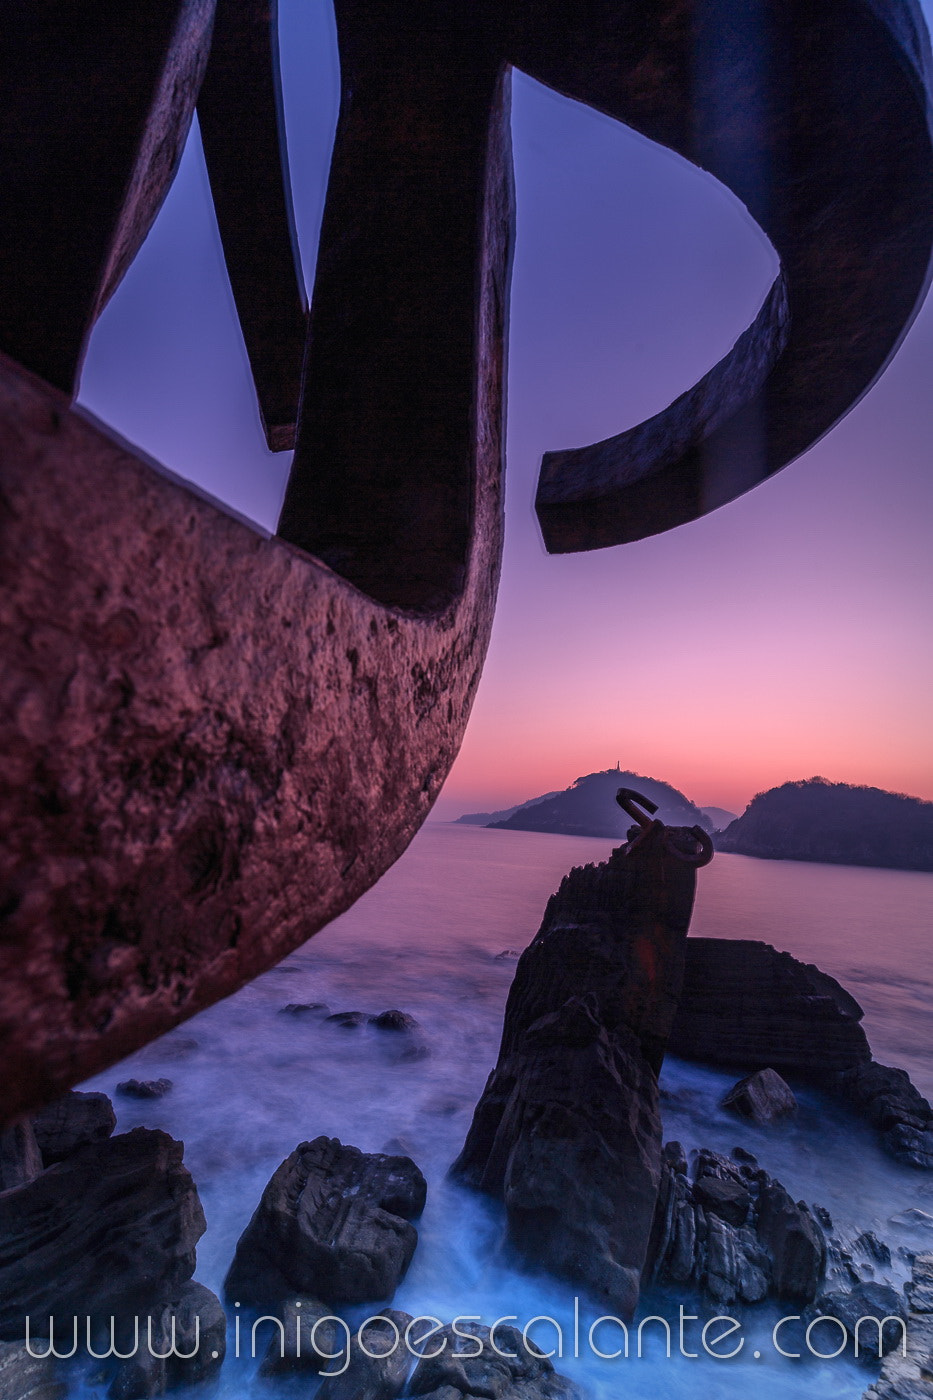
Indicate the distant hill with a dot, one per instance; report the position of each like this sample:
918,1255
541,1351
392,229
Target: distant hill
833,822
588,807
488,818
719,817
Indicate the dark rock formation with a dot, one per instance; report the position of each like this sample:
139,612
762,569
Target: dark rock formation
466,1368
305,1008
567,1131
910,1376
333,1223
109,1230
887,1098
589,808
348,1019
73,1121
24,1377
394,1021
368,1376
144,1088
193,1323
871,1314
304,1342
817,820
763,1097
744,1004
733,1232
20,1158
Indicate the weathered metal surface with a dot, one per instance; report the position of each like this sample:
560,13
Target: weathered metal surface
831,153
243,134
96,106
211,744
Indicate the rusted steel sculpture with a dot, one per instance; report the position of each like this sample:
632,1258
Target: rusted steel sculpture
211,741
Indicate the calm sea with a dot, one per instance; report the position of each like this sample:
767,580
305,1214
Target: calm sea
249,1083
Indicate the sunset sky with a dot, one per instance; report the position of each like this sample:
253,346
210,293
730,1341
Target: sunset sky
785,635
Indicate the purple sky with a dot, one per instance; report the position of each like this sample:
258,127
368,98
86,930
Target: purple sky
786,635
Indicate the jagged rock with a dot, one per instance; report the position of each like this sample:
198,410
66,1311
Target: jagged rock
568,1131
794,1241
868,1243
762,1097
746,1004
305,1008
910,1376
466,1369
379,1377
887,1098
144,1088
108,1230
73,1121
334,1223
195,1324
733,1233
20,1158
394,1021
878,1302
305,1341
24,1377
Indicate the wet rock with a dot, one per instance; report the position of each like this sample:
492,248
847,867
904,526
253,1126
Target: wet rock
373,1377
910,1376
305,1008
75,1120
762,1097
508,955
194,1324
470,1365
333,1223
732,1233
20,1158
106,1231
568,1130
24,1377
743,1156
349,1020
822,1215
887,1098
869,1244
873,1314
726,1199
794,1241
914,1217
306,1341
394,1021
144,1088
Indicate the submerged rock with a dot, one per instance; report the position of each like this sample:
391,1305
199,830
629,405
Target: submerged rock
762,1097
733,1233
193,1324
394,1021
568,1131
377,1370
887,1098
144,1088
333,1223
349,1020
107,1231
75,1120
468,1368
305,1008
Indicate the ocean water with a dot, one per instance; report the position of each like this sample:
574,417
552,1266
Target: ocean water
251,1083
